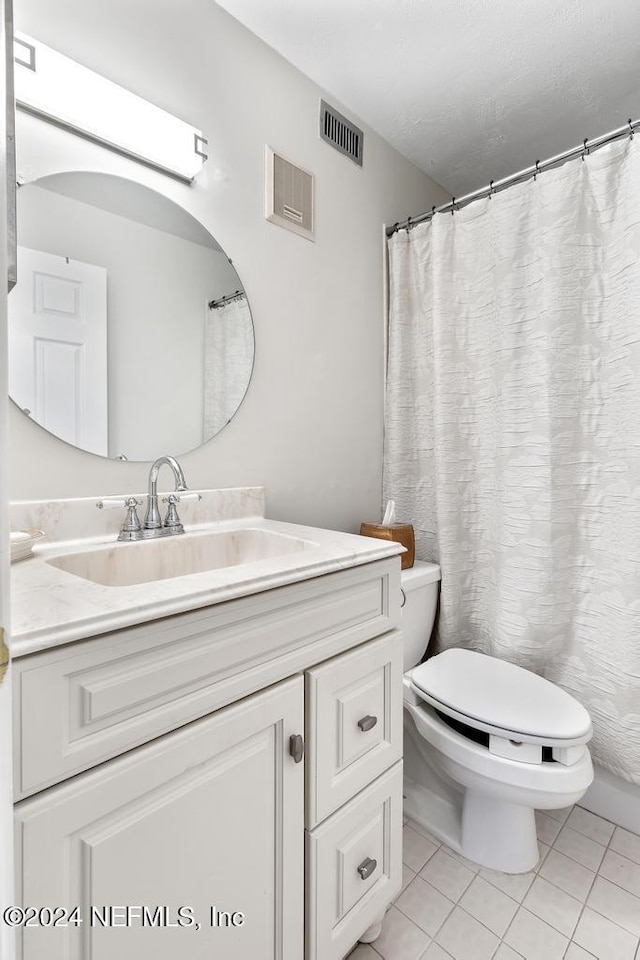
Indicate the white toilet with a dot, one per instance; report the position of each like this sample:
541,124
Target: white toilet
486,742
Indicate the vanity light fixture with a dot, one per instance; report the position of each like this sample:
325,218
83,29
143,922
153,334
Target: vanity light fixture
55,88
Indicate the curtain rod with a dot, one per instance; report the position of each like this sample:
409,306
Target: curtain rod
495,185
223,301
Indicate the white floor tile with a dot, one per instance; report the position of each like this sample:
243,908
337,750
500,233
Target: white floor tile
363,952
622,871
505,952
515,885
626,843
590,825
565,873
534,938
616,904
574,952
416,849
560,815
422,830
425,905
470,864
447,875
582,902
407,876
489,905
553,905
579,848
400,939
543,849
435,952
603,938
546,827
465,938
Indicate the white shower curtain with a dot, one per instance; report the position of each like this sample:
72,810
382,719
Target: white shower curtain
228,361
513,428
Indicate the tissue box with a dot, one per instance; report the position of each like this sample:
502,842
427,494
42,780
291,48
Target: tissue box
400,532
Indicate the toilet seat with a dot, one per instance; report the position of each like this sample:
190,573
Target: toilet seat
501,699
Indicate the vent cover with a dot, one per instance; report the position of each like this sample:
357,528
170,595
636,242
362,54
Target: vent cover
341,133
288,195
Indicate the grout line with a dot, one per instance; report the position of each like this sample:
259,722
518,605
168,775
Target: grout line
520,904
432,935
573,859
484,924
584,905
496,887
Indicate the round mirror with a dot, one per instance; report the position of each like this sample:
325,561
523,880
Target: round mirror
130,334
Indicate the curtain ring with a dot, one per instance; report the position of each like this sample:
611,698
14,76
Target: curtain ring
433,210
453,205
585,148
490,188
631,130
408,224
535,176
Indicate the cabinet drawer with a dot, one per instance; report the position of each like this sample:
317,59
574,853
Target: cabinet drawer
354,723
79,705
354,867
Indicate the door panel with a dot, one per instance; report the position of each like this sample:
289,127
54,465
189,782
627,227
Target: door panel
58,347
204,825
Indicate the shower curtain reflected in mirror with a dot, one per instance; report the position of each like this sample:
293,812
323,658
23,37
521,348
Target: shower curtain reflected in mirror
228,360
513,428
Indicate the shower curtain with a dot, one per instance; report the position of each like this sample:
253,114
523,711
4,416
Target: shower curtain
512,437
228,361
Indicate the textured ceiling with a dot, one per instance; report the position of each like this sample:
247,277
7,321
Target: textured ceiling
469,90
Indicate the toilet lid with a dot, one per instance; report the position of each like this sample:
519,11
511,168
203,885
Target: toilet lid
501,698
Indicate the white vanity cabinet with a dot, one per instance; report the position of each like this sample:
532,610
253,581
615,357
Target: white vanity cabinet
155,768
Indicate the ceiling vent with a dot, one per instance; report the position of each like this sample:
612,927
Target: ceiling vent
288,195
341,133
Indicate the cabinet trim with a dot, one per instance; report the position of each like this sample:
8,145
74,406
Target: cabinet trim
84,703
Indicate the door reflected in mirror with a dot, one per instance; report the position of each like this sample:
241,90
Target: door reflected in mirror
129,329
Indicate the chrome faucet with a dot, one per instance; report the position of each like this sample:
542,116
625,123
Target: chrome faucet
152,517
153,526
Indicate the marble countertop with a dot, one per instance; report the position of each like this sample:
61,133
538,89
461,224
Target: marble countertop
50,606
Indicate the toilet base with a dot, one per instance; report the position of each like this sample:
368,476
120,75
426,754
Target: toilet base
498,835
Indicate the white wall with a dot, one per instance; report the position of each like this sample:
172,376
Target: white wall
310,428
158,287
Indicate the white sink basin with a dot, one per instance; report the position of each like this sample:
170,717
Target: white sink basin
126,564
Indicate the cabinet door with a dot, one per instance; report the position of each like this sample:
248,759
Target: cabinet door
205,824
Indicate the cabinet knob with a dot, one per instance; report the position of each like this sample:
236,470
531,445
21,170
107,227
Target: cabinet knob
367,867
367,723
296,746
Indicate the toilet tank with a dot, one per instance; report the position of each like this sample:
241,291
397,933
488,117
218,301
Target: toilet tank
420,584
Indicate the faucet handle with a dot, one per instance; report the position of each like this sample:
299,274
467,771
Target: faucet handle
182,498
131,521
114,503
172,520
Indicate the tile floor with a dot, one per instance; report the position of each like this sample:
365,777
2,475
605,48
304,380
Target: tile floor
581,902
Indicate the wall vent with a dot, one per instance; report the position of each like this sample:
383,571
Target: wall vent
288,195
341,133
